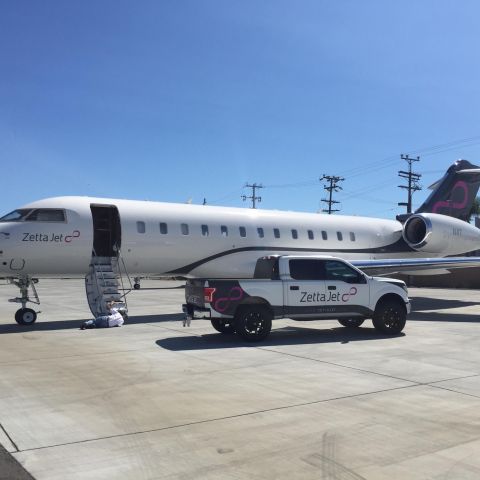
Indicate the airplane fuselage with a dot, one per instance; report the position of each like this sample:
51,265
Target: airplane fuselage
179,239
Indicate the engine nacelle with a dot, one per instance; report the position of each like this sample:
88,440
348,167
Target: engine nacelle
439,234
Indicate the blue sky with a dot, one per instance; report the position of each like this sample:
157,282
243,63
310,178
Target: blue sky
178,100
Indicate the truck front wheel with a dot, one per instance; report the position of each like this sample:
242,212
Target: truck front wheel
223,326
253,322
389,317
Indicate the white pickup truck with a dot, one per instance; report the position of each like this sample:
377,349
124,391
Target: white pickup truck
300,288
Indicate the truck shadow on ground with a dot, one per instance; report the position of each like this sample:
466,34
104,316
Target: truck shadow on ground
278,337
40,325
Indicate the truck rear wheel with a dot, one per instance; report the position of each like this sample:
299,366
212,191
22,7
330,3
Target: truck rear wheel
351,322
253,322
223,325
389,317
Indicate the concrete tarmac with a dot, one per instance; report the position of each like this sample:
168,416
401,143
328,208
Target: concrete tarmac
156,400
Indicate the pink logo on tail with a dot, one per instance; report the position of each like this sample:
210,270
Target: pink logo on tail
460,185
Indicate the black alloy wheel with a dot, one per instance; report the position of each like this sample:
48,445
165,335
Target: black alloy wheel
390,317
253,323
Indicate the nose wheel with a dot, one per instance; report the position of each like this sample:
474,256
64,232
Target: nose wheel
25,316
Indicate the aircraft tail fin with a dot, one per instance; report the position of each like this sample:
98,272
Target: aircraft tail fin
454,194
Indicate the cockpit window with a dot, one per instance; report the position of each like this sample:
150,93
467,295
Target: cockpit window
16,215
35,215
46,215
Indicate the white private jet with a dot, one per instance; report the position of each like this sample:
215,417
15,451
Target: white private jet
103,240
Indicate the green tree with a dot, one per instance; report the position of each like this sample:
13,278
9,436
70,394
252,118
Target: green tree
475,210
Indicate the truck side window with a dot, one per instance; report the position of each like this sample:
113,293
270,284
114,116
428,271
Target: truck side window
336,270
306,269
267,268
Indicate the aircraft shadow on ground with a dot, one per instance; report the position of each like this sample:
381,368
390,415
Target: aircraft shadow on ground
278,337
75,324
443,317
425,303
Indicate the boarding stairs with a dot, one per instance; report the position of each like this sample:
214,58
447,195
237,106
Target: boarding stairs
104,282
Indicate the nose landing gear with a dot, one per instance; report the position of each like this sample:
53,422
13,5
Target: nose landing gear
25,316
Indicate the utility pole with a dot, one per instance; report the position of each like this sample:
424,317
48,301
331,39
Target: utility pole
253,197
332,187
412,178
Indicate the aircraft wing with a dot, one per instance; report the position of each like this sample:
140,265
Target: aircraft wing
412,266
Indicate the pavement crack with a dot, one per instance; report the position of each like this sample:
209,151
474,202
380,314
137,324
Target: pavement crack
342,366
2,428
219,419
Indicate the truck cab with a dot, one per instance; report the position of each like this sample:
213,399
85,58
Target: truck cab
300,288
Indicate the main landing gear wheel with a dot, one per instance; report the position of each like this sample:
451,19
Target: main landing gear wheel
136,286
390,317
351,322
222,325
25,316
253,323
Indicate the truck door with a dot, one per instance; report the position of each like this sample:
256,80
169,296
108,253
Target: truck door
347,290
304,294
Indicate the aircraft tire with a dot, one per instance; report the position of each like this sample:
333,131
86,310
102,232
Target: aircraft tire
136,286
390,317
25,316
223,325
253,322
351,322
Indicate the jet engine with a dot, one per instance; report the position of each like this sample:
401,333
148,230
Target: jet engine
441,235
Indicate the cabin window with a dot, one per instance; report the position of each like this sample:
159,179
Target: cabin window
205,230
294,234
184,228
352,236
276,233
340,236
260,232
243,231
141,227
224,231
163,228
310,234
324,235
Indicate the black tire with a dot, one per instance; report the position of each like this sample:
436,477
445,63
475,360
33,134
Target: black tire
136,286
351,322
25,316
253,322
390,317
223,325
